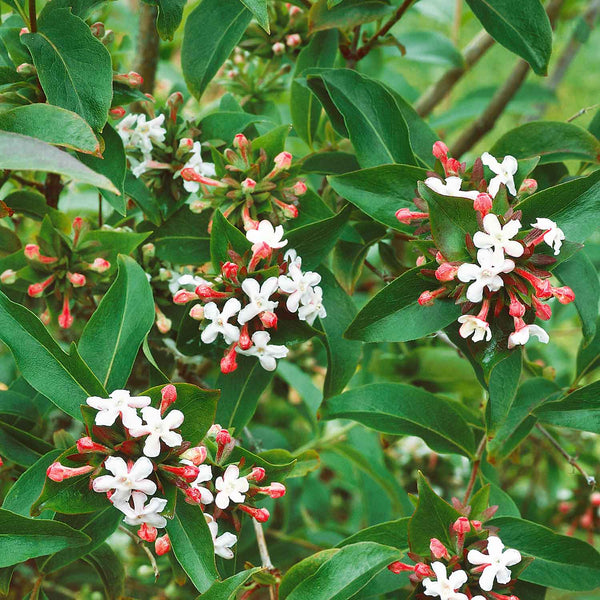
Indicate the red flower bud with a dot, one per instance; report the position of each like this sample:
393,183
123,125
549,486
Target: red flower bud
230,270
440,151
162,545
293,40
86,444
275,490
483,204
299,188
564,294
446,272
183,297
58,472
99,265
148,534
118,112
257,474
462,525
268,319
205,292
260,514
168,395
399,567
76,279
244,342
196,455
438,549
187,472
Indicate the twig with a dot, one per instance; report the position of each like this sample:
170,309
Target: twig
475,469
147,47
582,112
145,548
264,552
457,20
100,210
32,16
29,182
292,540
590,479
480,44
375,270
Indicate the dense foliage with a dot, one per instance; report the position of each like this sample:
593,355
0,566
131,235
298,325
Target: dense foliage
299,300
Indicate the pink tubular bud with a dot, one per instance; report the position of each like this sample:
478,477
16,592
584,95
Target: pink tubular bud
260,514
595,499
483,204
223,437
564,295
229,361
188,473
440,151
134,79
421,260
197,312
98,30
400,567
260,251
183,297
275,490
35,290
196,455
32,251
65,319
283,161
169,395
542,288
427,297
257,474
542,311
118,112
205,292
406,216
268,319
438,549
529,186
146,533
24,30
100,265
86,444
299,188
162,545
163,324
293,40
76,279
248,185
174,102
230,270
453,167
8,277
446,272
185,145
477,525
293,10
462,525
422,570
289,210
278,48
190,174
58,472
240,141
245,342
566,507
193,495
516,308
78,225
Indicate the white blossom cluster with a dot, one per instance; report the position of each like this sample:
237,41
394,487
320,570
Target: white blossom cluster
139,134
195,162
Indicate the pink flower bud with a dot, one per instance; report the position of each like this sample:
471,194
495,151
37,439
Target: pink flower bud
240,141
162,545
245,342
197,312
440,151
564,294
422,570
278,48
565,507
421,260
86,444
260,514
98,30
8,277
100,265
293,40
248,185
516,308
168,395
483,204
118,112
453,166
275,490
257,474
57,472
190,174
183,297
529,186
438,549
406,216
477,525
446,272
230,270
147,533
206,292
283,161
186,144
462,525
149,250
163,323
45,317
289,210
188,473
23,30
293,10
35,290
193,495
595,499
32,251
229,361
268,319
400,567
299,188
65,319
134,79
76,279
196,455
223,437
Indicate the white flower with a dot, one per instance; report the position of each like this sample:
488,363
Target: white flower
230,487
267,234
472,325
157,429
445,587
521,336
504,171
554,235
499,238
119,402
125,128
486,274
124,481
148,133
139,168
205,169
149,514
313,308
222,543
186,282
265,353
259,298
450,188
220,325
497,561
298,285
204,475
291,257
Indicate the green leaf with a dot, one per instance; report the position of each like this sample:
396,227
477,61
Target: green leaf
578,410
380,191
24,153
170,13
302,570
394,315
63,378
503,383
114,333
343,573
391,533
431,519
588,355
16,445
198,406
552,141
110,570
342,355
451,220
259,9
521,26
240,392
575,206
223,235
401,409
224,124
365,111
518,421
227,589
22,538
113,165
561,562
347,14
51,124
97,527
212,30
430,47
108,244
33,204
579,273
304,106
74,67
192,545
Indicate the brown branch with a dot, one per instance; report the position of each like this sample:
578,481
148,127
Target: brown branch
52,189
32,16
475,469
147,47
145,548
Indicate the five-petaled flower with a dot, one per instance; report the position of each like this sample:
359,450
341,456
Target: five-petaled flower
499,238
219,322
504,172
445,587
125,480
450,188
266,234
313,308
119,402
143,513
230,487
265,352
204,475
158,429
485,274
471,325
523,332
298,285
223,542
497,560
259,298
554,235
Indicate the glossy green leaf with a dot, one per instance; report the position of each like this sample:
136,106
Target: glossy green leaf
24,153
224,235
521,26
16,446
63,378
110,569
228,588
224,124
114,333
212,30
192,545
503,384
74,67
391,533
401,409
561,562
365,111
302,570
258,8
394,315
588,356
51,124
552,141
347,14
430,47
170,13
22,538
380,191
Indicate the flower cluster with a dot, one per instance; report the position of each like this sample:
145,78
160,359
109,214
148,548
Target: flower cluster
254,299
251,187
69,270
508,271
475,567
581,513
140,135
134,451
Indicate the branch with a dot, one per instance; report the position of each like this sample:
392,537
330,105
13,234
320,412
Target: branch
32,16
145,548
590,479
264,552
475,469
147,47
